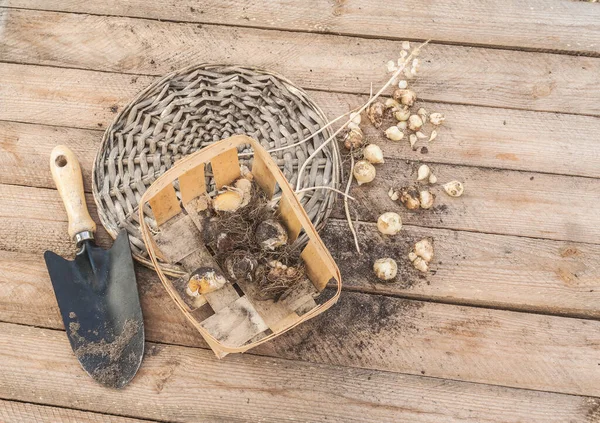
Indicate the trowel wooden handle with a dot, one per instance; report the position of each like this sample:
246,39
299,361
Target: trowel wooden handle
66,173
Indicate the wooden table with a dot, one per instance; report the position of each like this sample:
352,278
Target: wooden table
505,326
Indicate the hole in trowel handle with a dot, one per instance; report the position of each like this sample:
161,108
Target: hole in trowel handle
61,161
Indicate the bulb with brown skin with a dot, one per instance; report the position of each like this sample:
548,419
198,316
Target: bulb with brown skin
240,265
270,235
406,97
375,113
410,197
354,139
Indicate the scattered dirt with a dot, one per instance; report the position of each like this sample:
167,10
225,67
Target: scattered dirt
72,315
356,268
111,349
357,323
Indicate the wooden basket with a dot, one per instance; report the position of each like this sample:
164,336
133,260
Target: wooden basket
233,318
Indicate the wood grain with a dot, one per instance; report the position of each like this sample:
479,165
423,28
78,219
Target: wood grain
538,24
456,74
474,136
368,331
495,201
22,412
249,388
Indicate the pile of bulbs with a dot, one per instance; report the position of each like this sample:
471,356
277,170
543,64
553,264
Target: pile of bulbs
410,124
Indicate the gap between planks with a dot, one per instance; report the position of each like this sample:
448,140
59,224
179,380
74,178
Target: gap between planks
427,25
31,411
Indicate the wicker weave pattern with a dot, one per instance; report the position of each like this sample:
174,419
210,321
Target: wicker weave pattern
193,107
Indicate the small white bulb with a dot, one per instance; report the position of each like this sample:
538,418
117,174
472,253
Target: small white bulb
405,45
402,115
415,122
426,199
385,268
413,140
423,172
391,66
389,223
454,189
424,249
355,117
373,154
364,172
436,118
403,84
432,179
420,264
394,133
390,103
402,125
433,135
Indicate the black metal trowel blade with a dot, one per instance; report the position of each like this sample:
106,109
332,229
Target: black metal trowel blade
99,303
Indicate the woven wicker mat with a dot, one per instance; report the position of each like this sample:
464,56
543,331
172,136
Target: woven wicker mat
193,107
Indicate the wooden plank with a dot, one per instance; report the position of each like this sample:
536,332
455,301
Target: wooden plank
495,201
240,386
475,136
369,331
538,24
23,412
483,269
449,73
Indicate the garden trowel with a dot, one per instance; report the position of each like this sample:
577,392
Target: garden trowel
96,292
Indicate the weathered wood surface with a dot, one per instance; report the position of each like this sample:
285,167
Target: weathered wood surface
369,331
469,268
249,388
473,136
537,24
457,74
495,201
22,412
359,350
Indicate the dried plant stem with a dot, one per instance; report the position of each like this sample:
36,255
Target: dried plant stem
345,194
346,208
362,109
285,147
342,193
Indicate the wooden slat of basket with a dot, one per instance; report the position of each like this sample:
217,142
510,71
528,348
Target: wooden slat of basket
263,176
226,168
192,184
290,218
165,205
